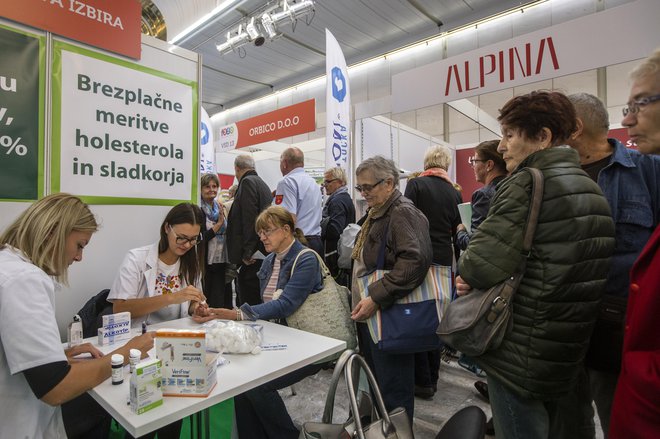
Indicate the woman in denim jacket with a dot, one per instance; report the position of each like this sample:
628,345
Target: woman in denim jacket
260,412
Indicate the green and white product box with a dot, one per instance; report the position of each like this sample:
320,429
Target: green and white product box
145,385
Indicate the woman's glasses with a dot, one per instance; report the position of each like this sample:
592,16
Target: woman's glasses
182,240
473,160
267,233
368,187
634,106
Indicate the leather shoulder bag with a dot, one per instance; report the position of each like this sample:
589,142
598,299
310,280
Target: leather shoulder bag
478,321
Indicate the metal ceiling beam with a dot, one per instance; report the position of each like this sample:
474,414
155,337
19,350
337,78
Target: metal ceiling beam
415,4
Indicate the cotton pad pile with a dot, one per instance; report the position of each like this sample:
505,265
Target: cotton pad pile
232,338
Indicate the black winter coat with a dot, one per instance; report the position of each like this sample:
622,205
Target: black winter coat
252,197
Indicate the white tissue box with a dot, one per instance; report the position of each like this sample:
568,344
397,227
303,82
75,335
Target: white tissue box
188,370
116,327
145,386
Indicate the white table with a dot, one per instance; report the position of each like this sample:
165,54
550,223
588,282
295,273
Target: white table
243,372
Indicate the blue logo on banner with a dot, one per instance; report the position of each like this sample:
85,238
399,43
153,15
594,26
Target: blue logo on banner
205,134
338,84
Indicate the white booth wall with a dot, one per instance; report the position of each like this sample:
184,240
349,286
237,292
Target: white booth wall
122,227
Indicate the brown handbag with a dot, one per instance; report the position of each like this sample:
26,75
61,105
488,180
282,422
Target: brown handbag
478,321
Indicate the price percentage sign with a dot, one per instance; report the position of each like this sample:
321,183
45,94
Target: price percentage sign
13,145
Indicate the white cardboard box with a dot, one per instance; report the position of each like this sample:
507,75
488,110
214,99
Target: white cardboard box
188,370
116,327
146,386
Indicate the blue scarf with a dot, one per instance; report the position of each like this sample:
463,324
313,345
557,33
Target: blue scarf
212,212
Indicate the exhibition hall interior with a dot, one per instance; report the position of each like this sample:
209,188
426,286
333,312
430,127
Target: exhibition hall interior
159,117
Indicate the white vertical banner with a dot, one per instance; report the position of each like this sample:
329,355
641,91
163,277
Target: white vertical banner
206,149
338,105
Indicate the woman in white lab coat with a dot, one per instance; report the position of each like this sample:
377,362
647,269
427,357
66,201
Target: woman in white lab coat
37,375
163,281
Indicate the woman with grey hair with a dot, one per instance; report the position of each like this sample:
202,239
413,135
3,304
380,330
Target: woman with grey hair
394,237
434,194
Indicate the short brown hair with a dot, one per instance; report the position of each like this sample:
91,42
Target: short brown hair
488,151
532,112
208,178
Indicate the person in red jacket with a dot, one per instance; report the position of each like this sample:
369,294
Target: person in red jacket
636,408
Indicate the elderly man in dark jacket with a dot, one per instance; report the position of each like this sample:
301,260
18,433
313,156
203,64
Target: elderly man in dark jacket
532,374
252,196
338,212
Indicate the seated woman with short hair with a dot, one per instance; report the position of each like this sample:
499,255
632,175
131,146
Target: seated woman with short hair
260,412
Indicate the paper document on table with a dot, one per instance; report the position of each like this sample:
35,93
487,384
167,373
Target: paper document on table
258,255
465,210
273,346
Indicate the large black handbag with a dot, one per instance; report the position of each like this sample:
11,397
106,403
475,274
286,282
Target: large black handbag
380,423
478,321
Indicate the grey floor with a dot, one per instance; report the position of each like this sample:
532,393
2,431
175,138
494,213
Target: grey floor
455,391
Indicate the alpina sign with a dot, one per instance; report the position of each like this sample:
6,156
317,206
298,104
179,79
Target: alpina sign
575,46
504,66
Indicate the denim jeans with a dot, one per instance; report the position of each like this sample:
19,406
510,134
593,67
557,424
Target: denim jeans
261,413
395,373
516,417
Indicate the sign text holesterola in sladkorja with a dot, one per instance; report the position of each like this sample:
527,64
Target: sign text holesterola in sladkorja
122,133
338,105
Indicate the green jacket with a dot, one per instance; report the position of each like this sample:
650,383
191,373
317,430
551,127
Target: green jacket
555,308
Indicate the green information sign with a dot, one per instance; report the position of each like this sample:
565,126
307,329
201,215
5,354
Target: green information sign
21,115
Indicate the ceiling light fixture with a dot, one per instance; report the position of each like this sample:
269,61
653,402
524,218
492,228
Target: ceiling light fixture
233,41
267,25
216,13
254,33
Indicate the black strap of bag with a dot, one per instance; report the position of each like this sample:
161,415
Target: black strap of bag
501,302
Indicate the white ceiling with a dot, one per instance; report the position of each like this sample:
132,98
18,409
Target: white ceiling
363,28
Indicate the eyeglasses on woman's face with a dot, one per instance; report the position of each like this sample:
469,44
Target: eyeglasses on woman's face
183,240
636,105
366,188
266,233
474,160
327,182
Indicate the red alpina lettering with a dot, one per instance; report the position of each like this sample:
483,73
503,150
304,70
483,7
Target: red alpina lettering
518,61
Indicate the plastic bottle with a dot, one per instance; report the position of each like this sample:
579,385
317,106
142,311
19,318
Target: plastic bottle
134,359
75,332
117,362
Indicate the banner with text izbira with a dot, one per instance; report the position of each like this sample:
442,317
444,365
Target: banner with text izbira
122,133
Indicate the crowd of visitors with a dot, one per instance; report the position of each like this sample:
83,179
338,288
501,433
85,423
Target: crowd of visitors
584,324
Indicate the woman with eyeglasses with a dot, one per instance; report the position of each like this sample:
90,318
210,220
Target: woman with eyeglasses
396,236
489,169
162,281
260,412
